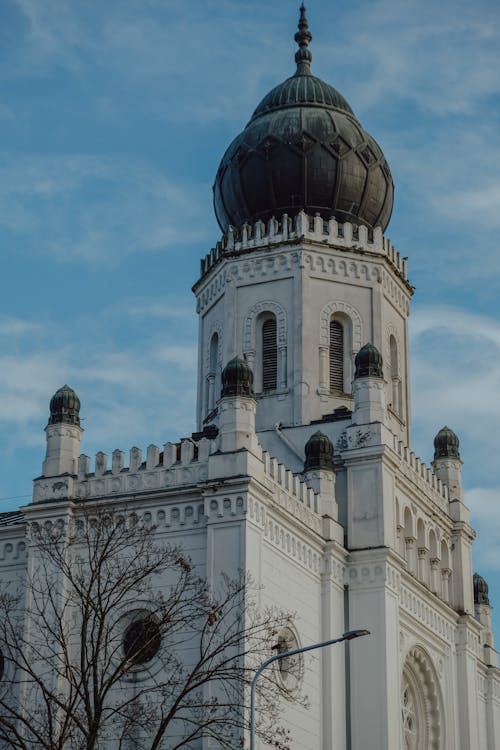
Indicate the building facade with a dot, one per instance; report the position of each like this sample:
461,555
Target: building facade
300,470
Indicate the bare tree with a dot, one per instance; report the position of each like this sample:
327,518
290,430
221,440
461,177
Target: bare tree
115,641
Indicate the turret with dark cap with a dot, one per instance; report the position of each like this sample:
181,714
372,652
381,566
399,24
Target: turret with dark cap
368,362
320,476
65,407
480,590
237,379
319,453
482,613
368,386
447,463
63,433
236,408
446,444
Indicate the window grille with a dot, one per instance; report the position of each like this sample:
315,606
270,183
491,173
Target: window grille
269,355
336,356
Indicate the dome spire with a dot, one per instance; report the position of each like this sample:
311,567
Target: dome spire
303,36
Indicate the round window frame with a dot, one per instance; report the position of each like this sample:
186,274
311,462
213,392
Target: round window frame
144,670
289,635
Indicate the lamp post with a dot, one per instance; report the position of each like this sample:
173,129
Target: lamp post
349,636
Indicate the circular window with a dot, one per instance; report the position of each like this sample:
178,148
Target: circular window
289,667
142,640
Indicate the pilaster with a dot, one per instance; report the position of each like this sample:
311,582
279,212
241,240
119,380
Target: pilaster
374,669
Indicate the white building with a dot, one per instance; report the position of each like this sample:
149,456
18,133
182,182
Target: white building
308,480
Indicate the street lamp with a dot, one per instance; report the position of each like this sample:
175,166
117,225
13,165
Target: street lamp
346,637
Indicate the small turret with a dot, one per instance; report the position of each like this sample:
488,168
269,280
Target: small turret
482,612
446,444
368,387
447,463
237,379
319,453
368,362
320,476
63,434
236,408
480,590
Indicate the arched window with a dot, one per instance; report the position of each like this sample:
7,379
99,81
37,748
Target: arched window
269,355
213,379
336,355
396,395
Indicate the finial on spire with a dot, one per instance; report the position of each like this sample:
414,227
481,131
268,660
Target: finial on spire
303,36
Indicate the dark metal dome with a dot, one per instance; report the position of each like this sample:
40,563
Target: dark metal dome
65,407
368,362
480,590
303,149
319,452
446,444
237,378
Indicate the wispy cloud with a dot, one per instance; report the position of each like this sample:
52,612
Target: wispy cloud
16,327
97,209
486,520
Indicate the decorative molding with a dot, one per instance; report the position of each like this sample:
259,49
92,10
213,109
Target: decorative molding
425,614
340,307
300,228
249,328
421,702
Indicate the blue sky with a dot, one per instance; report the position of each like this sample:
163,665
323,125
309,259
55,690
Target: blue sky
113,119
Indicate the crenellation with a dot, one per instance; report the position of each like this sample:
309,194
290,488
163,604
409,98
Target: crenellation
83,467
152,456
117,461
187,451
420,474
169,454
345,236
101,464
135,461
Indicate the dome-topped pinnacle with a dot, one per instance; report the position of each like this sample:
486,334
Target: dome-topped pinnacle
65,407
319,452
303,149
368,362
446,444
480,590
237,379
303,36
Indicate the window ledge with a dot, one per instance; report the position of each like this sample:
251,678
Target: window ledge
275,392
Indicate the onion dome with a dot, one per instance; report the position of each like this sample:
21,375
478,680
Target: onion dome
480,590
368,362
319,452
65,407
237,379
303,149
446,444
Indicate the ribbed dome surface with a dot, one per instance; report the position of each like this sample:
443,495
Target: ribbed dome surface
237,378
303,149
65,407
302,89
446,444
368,362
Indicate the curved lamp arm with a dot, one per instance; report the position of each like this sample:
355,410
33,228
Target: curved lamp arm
349,636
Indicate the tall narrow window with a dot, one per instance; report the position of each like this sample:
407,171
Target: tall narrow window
269,355
336,356
397,405
213,386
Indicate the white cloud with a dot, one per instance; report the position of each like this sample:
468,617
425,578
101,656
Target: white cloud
485,518
455,374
